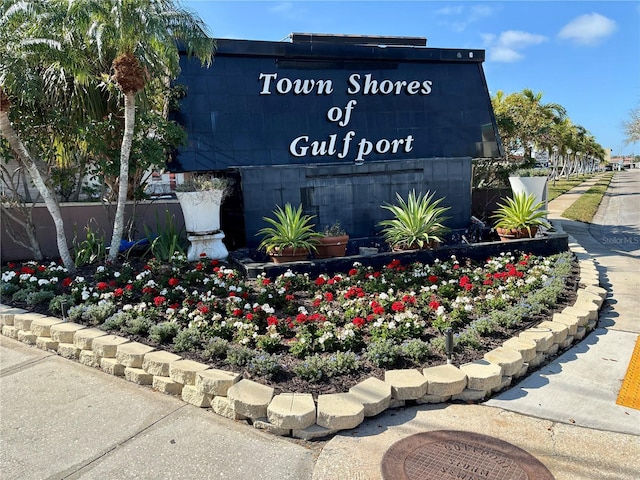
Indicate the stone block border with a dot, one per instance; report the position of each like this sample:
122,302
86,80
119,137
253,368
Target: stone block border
297,415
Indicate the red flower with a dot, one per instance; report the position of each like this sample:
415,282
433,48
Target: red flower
67,281
464,280
237,312
202,308
203,255
266,281
290,297
301,318
358,321
129,287
488,281
250,317
199,266
328,297
317,302
11,265
27,270
41,268
353,272
434,304
173,282
158,301
320,281
272,320
118,292
101,286
456,266
432,279
397,307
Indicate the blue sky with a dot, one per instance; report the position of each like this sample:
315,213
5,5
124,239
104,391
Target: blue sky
584,55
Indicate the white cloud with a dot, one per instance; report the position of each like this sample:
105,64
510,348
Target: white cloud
508,45
588,29
458,18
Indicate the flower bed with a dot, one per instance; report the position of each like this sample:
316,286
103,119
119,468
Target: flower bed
301,332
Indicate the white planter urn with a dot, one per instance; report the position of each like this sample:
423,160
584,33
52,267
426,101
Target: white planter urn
529,185
201,212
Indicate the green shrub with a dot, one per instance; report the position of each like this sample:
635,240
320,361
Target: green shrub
60,304
216,347
115,322
21,295
415,350
312,369
239,356
76,312
138,325
164,332
382,352
341,363
98,313
187,340
39,297
264,365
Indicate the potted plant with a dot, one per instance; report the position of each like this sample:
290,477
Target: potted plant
332,242
200,199
520,217
290,237
417,222
531,181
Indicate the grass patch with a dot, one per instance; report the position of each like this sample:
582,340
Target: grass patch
587,204
557,188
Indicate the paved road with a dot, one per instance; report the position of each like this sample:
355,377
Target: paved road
617,224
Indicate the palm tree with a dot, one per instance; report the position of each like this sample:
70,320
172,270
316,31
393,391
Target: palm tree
143,37
23,44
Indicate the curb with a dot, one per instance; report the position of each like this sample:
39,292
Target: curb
296,414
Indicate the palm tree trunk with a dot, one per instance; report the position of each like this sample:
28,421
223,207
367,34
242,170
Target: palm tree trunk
123,184
24,157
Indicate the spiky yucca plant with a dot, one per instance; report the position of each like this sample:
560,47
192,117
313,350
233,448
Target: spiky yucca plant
418,221
290,229
521,213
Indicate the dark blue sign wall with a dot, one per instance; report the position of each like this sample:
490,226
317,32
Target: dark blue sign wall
295,105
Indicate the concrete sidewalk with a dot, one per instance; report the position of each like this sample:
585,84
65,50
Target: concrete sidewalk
62,420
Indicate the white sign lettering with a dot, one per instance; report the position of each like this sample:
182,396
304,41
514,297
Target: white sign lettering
303,146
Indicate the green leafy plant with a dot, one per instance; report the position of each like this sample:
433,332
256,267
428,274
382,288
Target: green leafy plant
204,183
521,213
167,240
531,172
334,230
92,249
289,229
417,222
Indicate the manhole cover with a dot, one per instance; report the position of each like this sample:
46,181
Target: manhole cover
445,454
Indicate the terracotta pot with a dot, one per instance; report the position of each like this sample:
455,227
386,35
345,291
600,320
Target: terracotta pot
332,246
507,234
289,255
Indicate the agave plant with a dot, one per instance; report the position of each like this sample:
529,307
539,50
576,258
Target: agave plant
290,229
418,221
521,213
